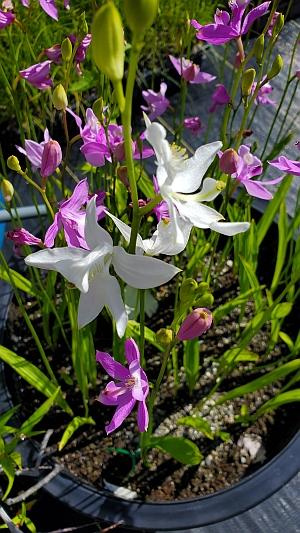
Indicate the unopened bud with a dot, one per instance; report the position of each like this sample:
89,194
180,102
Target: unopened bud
229,161
66,50
206,300
247,81
187,290
51,158
195,324
98,109
59,98
276,67
202,288
82,27
140,14
258,48
279,23
108,42
7,190
13,163
164,337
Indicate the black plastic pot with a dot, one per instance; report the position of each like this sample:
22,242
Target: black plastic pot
177,515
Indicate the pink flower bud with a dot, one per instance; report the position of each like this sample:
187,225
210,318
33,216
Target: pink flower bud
229,161
21,236
51,158
195,324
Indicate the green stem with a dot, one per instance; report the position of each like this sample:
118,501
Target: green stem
142,327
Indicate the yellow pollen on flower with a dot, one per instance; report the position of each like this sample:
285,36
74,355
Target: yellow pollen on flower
166,221
178,152
220,185
130,382
202,314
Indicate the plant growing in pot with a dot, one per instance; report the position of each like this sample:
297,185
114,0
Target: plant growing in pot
204,374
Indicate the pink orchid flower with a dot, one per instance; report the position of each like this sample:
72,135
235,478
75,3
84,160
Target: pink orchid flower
230,26
157,102
38,75
262,96
71,217
286,165
6,19
190,71
45,156
219,98
248,166
21,236
49,6
132,387
193,124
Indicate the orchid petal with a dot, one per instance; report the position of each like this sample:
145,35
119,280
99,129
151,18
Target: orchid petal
123,410
112,368
199,215
50,8
111,394
52,231
256,189
142,417
216,34
111,293
230,228
253,15
125,230
94,234
132,352
141,272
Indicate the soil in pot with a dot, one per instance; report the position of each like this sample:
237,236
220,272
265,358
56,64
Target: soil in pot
114,460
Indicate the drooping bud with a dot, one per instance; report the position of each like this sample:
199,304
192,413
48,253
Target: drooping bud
187,290
229,161
59,98
14,164
21,236
276,67
258,48
66,50
164,337
140,14
206,300
247,81
7,190
51,158
195,324
108,42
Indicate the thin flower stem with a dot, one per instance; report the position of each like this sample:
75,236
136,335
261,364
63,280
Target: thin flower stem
142,327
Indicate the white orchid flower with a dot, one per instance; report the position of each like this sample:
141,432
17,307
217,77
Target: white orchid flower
88,270
163,241
179,177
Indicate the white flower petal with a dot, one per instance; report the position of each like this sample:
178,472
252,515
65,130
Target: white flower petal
141,272
91,303
230,228
125,230
170,237
210,190
156,135
94,234
200,215
113,300
72,263
188,178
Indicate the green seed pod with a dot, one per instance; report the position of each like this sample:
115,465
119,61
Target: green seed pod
187,290
258,48
247,81
66,49
59,98
7,190
206,300
278,25
13,164
108,42
140,14
164,337
276,67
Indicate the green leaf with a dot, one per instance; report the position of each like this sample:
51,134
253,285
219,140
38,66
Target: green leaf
254,284
7,415
290,396
38,414
261,382
281,310
282,245
13,277
8,467
183,450
87,81
198,423
237,355
76,423
287,340
191,362
225,309
133,330
34,376
144,183
272,208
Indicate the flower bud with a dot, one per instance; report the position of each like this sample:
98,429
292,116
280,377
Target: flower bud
140,14
98,109
108,42
247,81
59,98
7,190
229,161
279,23
206,300
203,287
66,50
276,67
258,48
82,27
21,236
13,163
187,290
164,337
51,158
195,324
